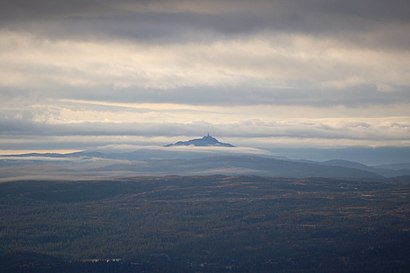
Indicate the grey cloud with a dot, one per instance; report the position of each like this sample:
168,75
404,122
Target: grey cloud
243,129
293,9
377,10
303,93
357,96
9,127
359,22
49,9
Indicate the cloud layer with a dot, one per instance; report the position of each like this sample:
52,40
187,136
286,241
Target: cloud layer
257,72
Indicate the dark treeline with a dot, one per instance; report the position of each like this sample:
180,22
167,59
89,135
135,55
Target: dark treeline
205,224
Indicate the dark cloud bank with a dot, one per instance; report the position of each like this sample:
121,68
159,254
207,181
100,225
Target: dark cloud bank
180,20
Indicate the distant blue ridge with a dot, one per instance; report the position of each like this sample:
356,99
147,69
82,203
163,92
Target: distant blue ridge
201,142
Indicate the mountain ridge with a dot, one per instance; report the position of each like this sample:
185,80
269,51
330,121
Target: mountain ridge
185,162
205,141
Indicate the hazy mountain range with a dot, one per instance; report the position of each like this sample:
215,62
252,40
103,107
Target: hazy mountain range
199,157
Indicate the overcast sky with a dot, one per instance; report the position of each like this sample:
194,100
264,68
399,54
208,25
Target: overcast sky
311,73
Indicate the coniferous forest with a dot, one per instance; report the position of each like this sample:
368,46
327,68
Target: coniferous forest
205,224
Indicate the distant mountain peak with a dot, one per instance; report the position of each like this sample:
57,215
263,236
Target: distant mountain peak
205,141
